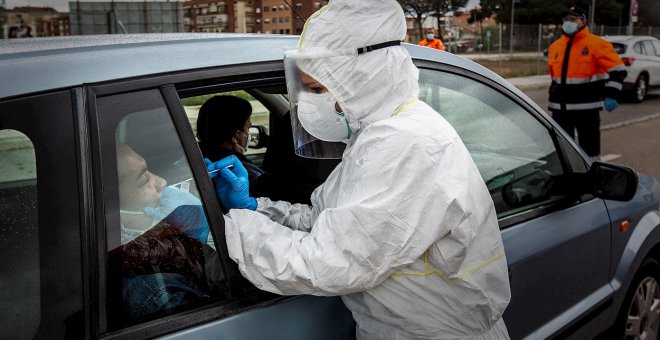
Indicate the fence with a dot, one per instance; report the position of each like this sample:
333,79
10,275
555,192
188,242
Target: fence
523,51
529,38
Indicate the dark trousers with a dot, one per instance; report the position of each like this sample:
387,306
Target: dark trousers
587,124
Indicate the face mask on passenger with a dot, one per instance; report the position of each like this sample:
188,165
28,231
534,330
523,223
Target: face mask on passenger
430,36
243,148
317,114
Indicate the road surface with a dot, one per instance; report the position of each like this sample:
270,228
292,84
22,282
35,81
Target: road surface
630,134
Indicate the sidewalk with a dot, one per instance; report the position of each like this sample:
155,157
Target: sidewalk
531,83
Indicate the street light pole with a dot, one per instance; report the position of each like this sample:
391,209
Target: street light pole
592,15
629,30
513,7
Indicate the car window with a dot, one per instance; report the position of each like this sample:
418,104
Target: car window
260,115
514,152
19,239
161,255
40,219
656,45
648,48
638,48
619,48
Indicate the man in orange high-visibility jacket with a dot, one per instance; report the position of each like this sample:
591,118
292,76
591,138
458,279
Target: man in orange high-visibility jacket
431,41
587,75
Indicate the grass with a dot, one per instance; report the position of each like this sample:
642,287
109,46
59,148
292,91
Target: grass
516,67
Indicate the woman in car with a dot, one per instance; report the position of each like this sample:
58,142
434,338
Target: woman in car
223,128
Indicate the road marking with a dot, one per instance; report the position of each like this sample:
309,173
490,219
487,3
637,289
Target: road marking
609,157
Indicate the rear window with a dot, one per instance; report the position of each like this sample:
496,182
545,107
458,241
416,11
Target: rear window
619,48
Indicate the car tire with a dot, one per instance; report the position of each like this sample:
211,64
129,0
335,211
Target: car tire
640,89
639,317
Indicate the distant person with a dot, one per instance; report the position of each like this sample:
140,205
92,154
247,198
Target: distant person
431,41
223,129
587,75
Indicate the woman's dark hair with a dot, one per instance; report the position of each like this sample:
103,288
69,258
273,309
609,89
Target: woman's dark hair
220,116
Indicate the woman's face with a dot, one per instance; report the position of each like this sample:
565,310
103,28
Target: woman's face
242,135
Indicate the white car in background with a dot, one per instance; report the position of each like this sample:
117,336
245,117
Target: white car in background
641,55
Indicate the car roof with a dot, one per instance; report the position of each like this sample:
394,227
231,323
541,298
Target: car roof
41,64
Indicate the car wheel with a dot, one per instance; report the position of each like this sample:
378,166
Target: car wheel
640,89
640,313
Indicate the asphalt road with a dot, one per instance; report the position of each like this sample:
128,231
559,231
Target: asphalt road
630,135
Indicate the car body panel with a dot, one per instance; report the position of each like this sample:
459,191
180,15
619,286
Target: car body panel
545,253
297,318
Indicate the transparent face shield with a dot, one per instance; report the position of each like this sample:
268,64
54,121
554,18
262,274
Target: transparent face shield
306,144
320,129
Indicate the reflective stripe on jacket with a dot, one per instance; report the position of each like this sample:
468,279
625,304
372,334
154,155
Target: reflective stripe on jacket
584,69
435,43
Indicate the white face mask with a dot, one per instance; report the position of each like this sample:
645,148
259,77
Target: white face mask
318,116
430,36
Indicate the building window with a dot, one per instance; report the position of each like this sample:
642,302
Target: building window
266,9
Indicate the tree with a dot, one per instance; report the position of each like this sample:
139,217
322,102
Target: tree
533,12
441,7
477,15
418,10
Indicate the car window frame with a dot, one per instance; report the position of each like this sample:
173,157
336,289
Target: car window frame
51,118
568,159
226,78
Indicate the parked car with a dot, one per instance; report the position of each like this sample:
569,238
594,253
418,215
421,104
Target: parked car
582,238
641,55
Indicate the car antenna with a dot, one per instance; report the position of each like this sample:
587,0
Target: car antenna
294,11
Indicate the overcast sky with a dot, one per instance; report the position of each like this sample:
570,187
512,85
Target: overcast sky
63,5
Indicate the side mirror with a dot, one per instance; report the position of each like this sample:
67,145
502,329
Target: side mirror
612,182
258,137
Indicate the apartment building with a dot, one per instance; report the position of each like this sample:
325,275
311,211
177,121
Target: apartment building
287,17
240,16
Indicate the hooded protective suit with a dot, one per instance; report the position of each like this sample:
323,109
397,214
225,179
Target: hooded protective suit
404,228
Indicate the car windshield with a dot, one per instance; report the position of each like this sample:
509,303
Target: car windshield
619,48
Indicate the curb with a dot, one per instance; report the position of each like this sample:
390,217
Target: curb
531,87
629,122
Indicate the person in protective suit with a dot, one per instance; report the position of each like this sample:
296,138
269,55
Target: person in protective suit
404,228
587,75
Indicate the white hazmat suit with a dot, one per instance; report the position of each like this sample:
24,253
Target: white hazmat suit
404,228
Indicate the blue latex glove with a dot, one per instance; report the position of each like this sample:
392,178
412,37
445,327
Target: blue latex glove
610,104
231,184
170,199
191,220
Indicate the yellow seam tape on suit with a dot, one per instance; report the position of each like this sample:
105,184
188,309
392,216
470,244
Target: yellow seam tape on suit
406,106
429,271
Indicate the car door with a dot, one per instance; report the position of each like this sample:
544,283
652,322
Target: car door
43,220
163,275
652,49
557,244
